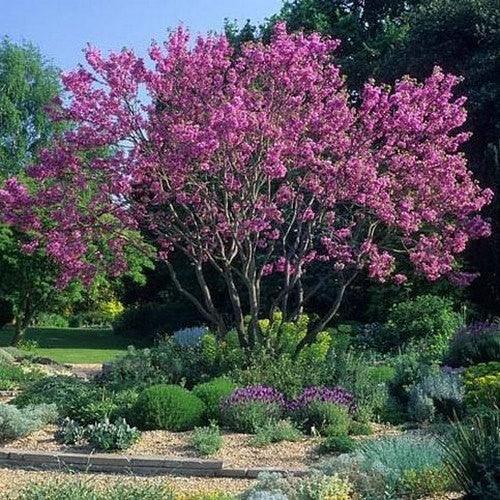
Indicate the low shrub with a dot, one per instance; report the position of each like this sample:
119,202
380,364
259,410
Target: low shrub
169,407
337,444
426,323
14,376
109,436
472,456
250,408
482,387
207,441
69,394
360,428
213,393
324,409
473,344
19,422
426,482
438,394
275,432
70,432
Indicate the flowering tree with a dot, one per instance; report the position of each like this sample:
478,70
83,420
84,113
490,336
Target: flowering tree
252,164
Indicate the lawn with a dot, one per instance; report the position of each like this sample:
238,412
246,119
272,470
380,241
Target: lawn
73,345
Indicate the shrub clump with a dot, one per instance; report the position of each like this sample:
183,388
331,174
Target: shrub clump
275,432
213,393
169,407
109,436
207,440
19,422
323,409
478,342
250,408
482,387
337,444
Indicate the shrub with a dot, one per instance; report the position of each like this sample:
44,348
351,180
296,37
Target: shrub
325,409
426,482
213,393
360,428
441,393
482,386
337,444
207,440
426,323
16,422
474,343
472,456
69,394
70,432
107,436
318,487
169,407
275,432
14,376
52,320
249,408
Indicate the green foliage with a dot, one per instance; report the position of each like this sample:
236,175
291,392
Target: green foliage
250,416
52,320
360,428
337,444
69,394
70,432
326,418
16,422
64,489
207,441
441,393
109,436
275,432
212,394
425,323
472,456
427,482
482,387
169,407
15,376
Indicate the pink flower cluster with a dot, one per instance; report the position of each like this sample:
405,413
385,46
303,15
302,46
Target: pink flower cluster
258,154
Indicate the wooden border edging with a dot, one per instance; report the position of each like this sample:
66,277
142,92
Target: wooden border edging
141,465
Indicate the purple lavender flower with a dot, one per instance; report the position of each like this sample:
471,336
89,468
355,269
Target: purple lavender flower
336,395
256,393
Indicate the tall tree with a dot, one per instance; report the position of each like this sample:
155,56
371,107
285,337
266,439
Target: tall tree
254,165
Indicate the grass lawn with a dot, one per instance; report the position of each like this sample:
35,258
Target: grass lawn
73,345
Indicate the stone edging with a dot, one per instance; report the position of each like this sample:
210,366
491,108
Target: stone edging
141,465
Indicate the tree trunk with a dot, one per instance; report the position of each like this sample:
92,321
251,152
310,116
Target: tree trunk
19,332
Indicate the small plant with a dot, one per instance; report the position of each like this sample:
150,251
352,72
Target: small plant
337,444
324,410
482,387
109,436
169,407
250,408
472,456
70,432
427,482
275,432
19,422
319,487
213,393
474,343
207,440
360,428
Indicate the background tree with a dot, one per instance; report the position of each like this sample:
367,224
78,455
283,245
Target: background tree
253,165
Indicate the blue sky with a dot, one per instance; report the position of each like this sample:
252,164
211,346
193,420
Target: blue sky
61,28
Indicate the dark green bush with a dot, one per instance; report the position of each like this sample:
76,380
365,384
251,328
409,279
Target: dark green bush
169,407
360,428
472,456
212,394
425,323
154,320
337,444
473,344
69,394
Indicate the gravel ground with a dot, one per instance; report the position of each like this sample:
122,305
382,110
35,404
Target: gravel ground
12,481
236,451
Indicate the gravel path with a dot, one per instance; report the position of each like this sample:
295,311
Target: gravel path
13,480
87,370
237,450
